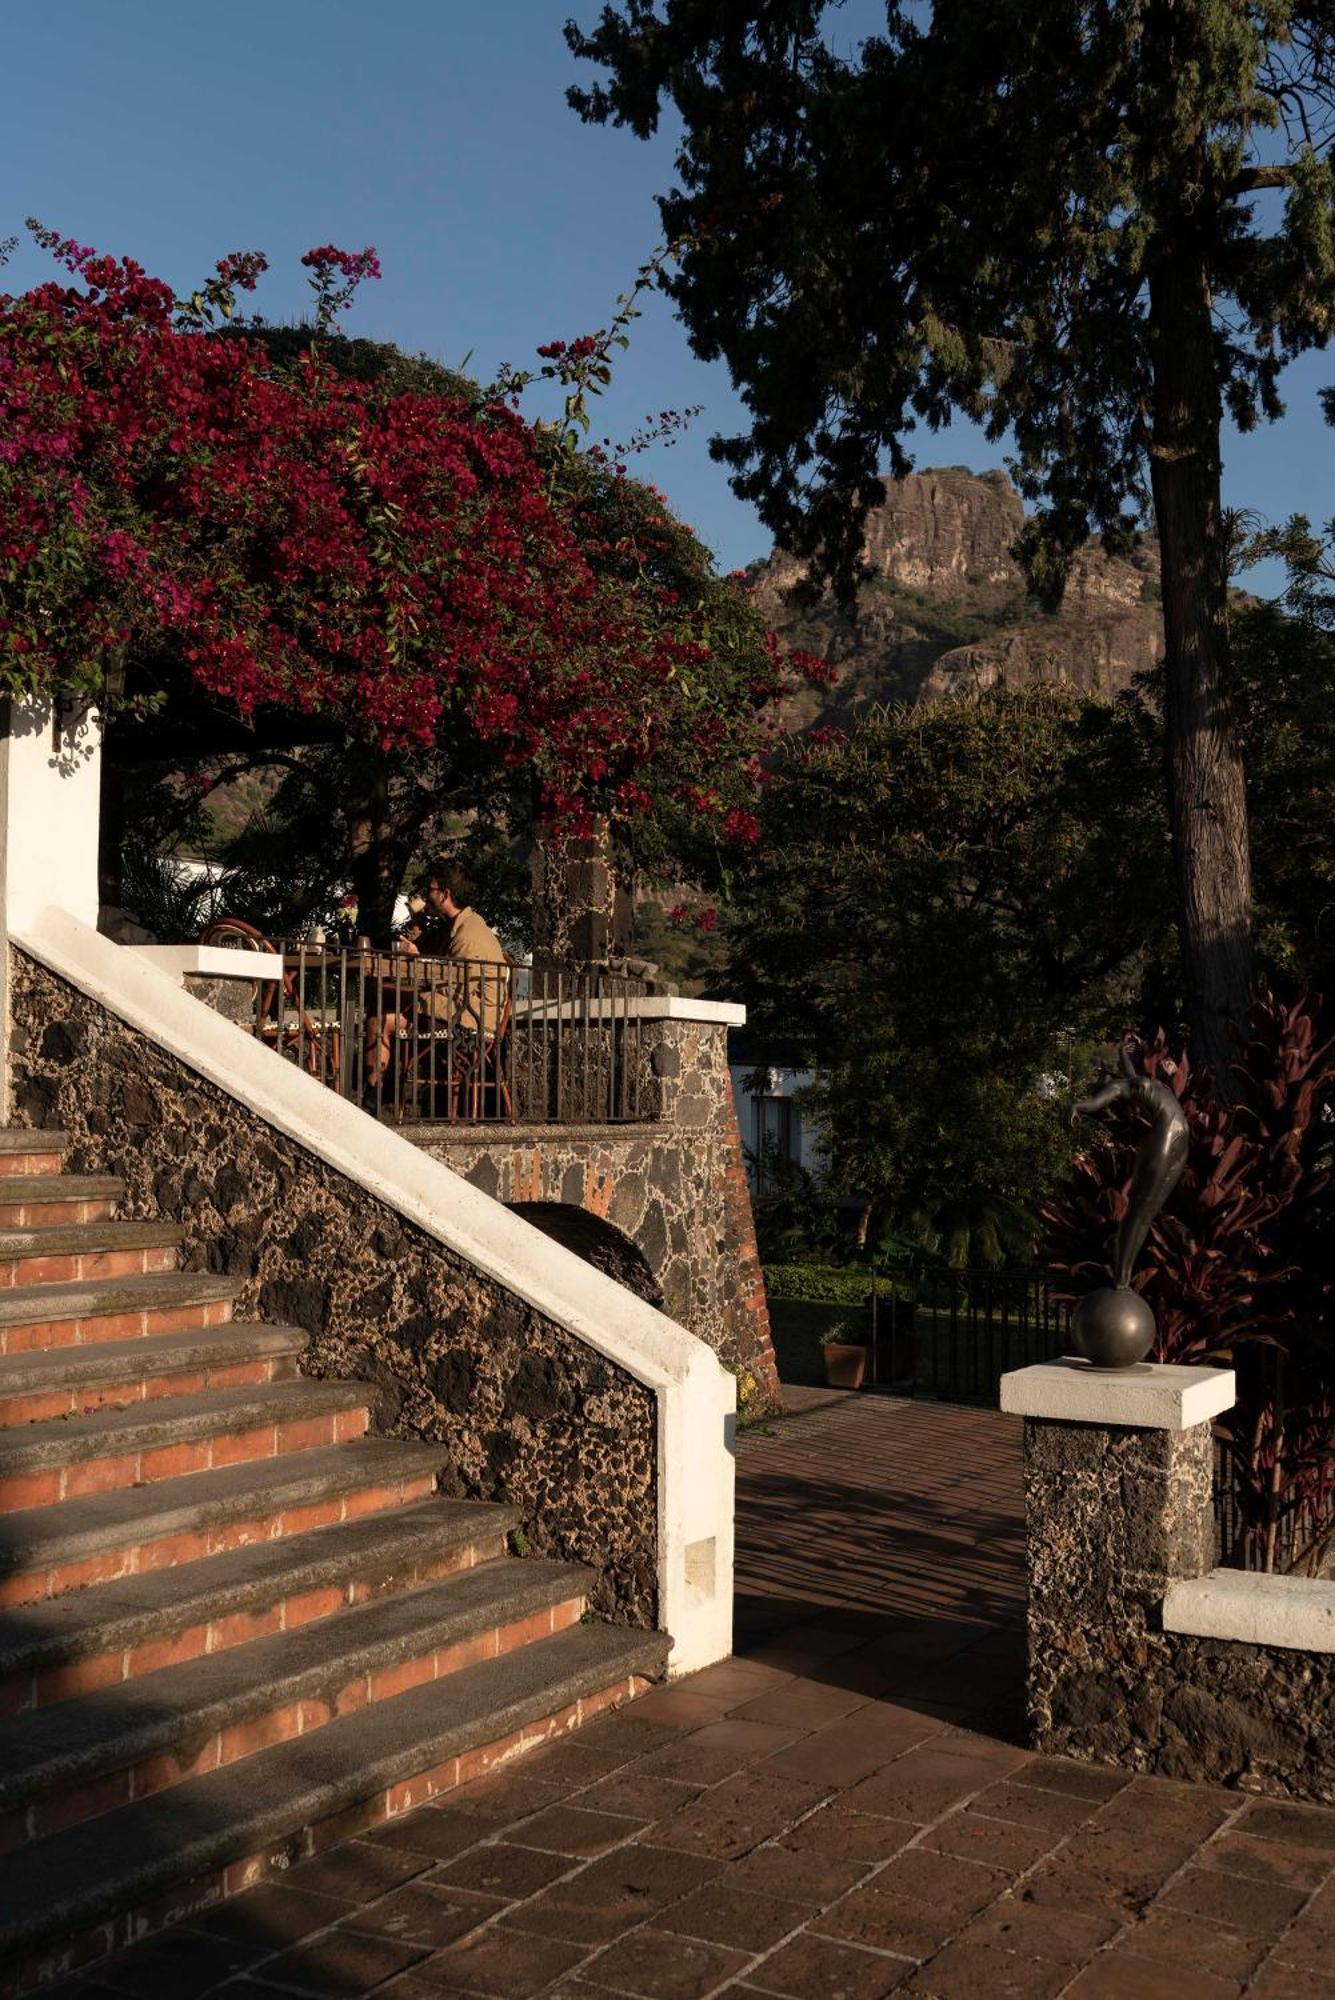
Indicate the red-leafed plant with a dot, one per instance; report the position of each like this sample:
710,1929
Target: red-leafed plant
1240,1266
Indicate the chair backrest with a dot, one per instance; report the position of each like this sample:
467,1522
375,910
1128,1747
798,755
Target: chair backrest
234,934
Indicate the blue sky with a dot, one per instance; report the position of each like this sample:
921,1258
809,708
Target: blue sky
438,132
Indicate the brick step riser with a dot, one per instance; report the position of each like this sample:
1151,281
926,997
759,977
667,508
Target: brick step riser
89,1799
40,1405
113,1474
70,1266
133,1558
207,1891
32,1164
21,1693
40,1335
54,1214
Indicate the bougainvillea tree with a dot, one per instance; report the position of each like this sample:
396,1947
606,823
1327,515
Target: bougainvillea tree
305,549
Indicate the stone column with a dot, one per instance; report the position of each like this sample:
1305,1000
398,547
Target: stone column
581,910
50,788
1117,1477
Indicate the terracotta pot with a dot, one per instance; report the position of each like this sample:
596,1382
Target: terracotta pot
845,1364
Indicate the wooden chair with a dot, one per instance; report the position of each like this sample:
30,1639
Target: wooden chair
303,1040
475,1072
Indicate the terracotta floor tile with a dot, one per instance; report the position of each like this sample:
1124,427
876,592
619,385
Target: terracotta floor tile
639,1795
885,1922
1268,1860
337,1965
1263,1909
1038,1930
613,1895
922,1784
424,1914
1057,1813
436,1834
853,1748
745,1742
179,1965
273,1915
508,1964
834,1833
574,1830
1279,1981
1121,1975
819,1968
734,1817
955,1888
984,1972
1208,1944
357,1871
1083,1781
801,1704
680,1707
995,1842
661,1966
503,1870
807,1876
724,1914
1299,1826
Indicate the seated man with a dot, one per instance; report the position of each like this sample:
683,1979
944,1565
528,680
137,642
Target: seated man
470,1002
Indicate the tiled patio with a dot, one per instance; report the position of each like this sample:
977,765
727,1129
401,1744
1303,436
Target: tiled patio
840,1812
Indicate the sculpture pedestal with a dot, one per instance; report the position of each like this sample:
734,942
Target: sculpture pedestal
1117,1476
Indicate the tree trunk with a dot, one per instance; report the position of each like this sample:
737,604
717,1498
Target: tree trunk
1206,788
376,858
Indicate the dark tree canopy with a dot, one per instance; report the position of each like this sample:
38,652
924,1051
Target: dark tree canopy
1093,227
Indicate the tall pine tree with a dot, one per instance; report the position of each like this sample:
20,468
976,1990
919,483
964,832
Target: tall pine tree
1093,224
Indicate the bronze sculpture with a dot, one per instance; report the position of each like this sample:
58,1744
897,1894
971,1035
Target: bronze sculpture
1114,1326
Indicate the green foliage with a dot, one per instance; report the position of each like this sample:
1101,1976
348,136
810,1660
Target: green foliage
826,1284
946,910
1284,694
1094,230
981,208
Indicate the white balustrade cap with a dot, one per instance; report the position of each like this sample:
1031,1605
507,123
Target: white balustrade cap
1158,1396
209,961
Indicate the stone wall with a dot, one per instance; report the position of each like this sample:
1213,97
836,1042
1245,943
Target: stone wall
1115,1516
529,1414
674,1187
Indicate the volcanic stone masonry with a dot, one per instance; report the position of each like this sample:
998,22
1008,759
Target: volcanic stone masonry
531,1416
1114,1516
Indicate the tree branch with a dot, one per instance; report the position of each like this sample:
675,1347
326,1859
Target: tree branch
1252,179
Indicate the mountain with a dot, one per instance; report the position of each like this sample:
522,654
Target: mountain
945,604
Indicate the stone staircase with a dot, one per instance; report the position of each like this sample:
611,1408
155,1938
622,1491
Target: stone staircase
233,1627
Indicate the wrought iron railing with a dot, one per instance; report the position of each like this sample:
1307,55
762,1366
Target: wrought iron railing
462,1041
955,1333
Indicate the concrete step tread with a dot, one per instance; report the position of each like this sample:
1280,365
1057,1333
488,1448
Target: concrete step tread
110,1361
31,1188
70,1742
41,1537
79,1239
164,1602
28,1139
64,1884
88,1298
172,1420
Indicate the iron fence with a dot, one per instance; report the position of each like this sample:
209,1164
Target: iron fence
462,1041
953,1334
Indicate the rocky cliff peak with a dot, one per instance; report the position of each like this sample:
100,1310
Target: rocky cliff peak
945,605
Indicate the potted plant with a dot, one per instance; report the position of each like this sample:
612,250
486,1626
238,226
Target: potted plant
845,1352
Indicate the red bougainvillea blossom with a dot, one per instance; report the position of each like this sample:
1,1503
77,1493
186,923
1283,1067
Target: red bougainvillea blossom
301,541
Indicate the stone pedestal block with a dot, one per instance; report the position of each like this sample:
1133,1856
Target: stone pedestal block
1117,1509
